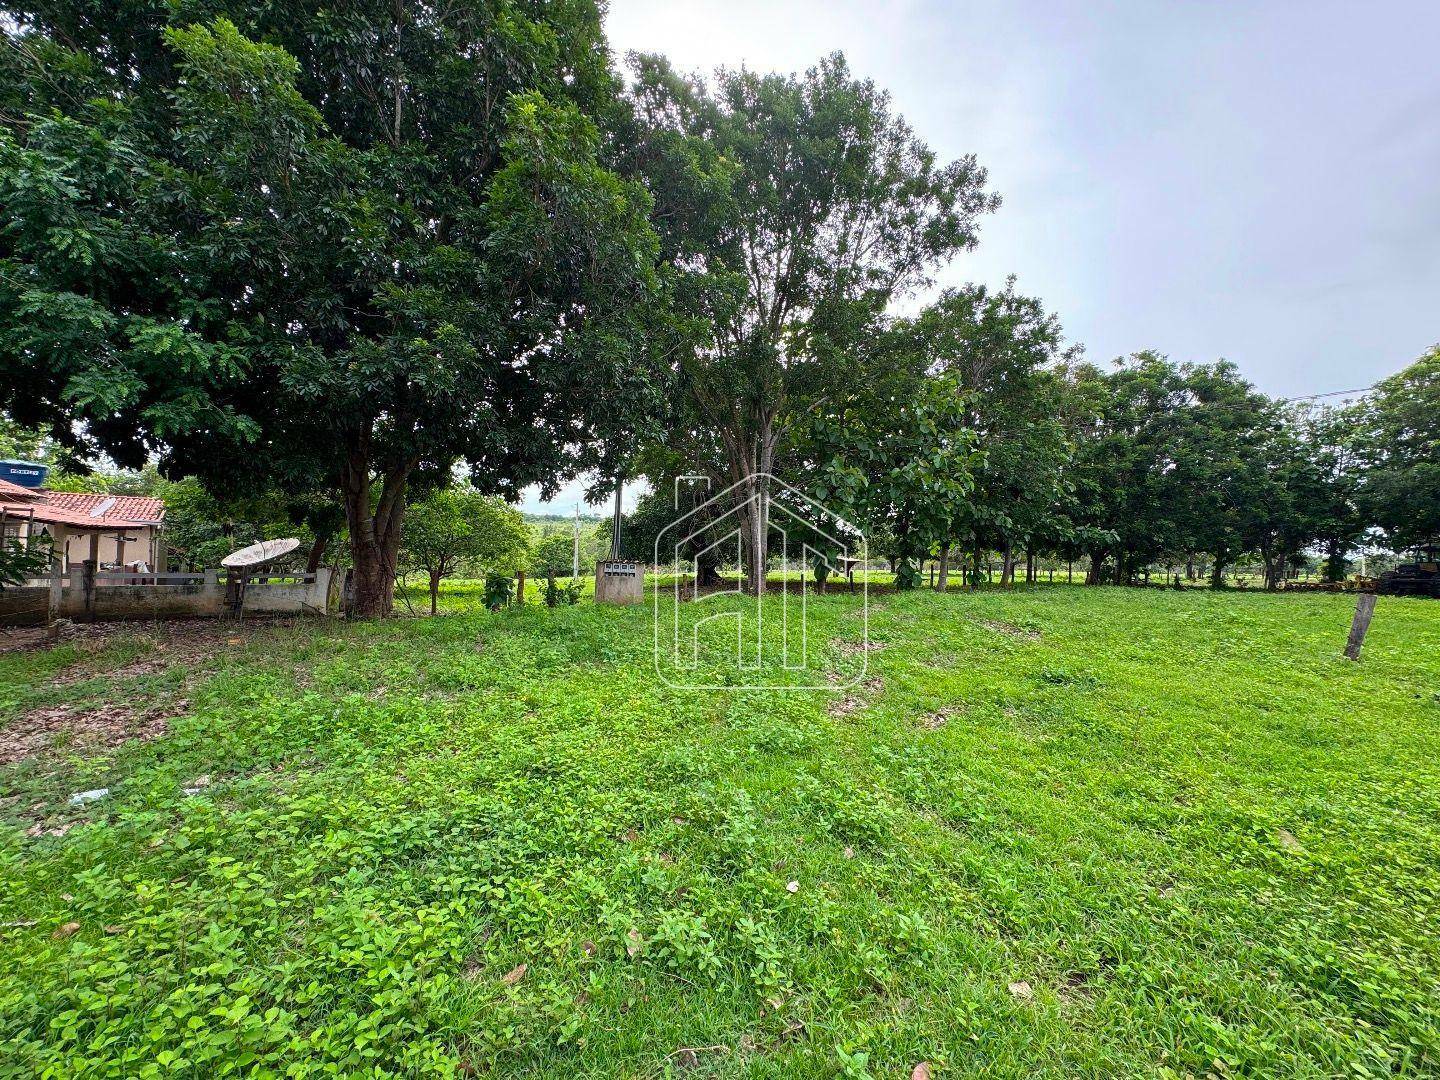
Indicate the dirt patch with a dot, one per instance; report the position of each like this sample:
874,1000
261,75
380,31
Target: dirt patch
940,717
856,648
85,728
24,638
853,702
189,643
1079,987
1009,629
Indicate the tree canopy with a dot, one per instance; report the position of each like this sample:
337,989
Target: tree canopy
323,253
306,263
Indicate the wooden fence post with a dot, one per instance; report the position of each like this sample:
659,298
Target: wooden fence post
1364,609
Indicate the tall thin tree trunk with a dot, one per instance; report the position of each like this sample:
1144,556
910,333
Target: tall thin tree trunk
943,579
1007,563
750,466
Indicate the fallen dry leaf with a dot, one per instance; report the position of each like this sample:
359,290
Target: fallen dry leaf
632,944
87,728
1288,841
515,974
588,948
793,887
1021,991
66,930
849,852
921,1071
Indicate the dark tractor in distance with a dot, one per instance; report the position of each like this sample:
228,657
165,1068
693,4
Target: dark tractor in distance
1418,578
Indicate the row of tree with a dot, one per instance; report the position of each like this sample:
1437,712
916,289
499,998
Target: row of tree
340,257
970,429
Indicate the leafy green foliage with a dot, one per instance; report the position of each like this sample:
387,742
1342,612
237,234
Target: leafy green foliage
289,249
898,461
1401,444
794,208
499,587
553,554
1003,353
458,526
20,561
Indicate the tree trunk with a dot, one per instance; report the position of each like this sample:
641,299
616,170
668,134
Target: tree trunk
753,548
317,554
1267,560
1334,562
434,590
1007,563
374,533
943,580
707,571
1029,566
750,465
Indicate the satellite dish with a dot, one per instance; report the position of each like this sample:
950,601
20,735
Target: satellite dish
262,552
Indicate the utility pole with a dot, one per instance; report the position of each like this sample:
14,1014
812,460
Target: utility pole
575,573
615,522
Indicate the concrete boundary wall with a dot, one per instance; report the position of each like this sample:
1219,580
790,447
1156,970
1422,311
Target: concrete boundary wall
191,596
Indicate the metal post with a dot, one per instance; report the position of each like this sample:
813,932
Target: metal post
575,570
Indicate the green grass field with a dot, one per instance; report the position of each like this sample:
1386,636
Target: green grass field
1056,832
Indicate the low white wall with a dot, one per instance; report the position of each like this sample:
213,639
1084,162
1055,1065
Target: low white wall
191,599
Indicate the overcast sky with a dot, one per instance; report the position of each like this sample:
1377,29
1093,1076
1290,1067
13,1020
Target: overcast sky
1254,181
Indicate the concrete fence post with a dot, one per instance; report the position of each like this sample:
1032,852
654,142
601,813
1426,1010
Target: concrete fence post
87,581
57,587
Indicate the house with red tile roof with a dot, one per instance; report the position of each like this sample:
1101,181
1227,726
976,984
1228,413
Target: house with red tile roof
115,530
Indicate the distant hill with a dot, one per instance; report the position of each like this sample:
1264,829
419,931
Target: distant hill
565,519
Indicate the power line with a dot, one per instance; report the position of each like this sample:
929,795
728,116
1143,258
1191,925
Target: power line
1331,393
